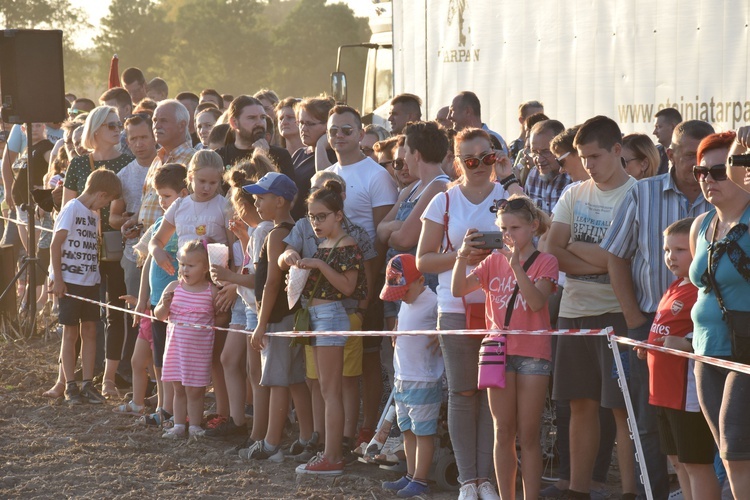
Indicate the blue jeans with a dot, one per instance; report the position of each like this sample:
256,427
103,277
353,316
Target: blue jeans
646,419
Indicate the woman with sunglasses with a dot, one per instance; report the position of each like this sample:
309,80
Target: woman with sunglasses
720,244
445,221
101,136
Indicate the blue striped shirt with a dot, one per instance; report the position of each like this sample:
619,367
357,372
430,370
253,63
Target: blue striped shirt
648,208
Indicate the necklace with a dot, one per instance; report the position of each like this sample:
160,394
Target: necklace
200,229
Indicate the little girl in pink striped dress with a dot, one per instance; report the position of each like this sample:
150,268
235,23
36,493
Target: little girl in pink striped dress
187,356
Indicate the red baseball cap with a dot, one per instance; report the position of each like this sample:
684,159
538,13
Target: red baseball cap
401,272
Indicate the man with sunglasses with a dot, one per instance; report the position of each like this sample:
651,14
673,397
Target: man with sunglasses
545,182
639,275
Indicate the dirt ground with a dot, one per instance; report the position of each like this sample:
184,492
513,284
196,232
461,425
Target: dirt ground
48,450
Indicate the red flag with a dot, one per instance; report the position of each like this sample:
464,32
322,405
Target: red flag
114,72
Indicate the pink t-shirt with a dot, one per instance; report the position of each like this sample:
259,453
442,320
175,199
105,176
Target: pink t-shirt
498,281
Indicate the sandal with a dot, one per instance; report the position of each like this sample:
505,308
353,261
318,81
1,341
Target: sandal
157,419
130,408
109,389
57,391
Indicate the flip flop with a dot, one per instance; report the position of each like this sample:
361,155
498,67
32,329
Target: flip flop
129,408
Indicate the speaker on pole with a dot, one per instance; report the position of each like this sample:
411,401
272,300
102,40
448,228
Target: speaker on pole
32,84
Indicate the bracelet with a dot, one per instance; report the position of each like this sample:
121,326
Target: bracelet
509,180
459,256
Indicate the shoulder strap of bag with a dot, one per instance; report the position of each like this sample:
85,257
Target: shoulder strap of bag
512,300
714,284
330,255
446,218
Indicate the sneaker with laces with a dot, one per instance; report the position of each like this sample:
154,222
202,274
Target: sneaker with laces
247,443
195,433
312,448
319,465
73,395
468,492
413,489
258,452
227,428
396,485
295,449
486,491
91,395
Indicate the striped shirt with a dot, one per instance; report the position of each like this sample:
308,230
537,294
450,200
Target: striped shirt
150,209
648,208
545,193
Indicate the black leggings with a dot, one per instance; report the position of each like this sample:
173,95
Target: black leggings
114,280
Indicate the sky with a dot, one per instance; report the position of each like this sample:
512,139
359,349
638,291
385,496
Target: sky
96,9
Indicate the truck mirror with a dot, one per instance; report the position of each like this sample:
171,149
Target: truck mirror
338,86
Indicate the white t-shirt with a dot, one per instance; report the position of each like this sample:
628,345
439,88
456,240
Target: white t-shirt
80,250
197,220
463,215
588,211
413,357
132,178
368,186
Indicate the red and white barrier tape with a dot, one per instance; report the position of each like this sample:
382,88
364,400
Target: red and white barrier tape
722,363
21,223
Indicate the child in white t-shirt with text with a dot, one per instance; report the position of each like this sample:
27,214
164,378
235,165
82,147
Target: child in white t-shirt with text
418,366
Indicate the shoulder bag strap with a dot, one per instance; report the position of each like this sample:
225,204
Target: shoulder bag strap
446,218
714,284
512,300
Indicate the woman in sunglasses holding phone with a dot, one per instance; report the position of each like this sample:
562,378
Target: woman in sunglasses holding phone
720,244
445,221
101,136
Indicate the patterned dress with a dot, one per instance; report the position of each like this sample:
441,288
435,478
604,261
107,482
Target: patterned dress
187,357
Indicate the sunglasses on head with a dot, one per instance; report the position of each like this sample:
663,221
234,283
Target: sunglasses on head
561,159
347,130
501,205
399,164
718,172
473,162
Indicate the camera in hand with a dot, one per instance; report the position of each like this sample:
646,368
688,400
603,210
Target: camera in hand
739,160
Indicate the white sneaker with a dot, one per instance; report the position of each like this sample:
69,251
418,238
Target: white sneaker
468,492
487,492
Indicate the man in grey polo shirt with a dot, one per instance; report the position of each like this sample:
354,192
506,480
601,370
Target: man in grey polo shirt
640,277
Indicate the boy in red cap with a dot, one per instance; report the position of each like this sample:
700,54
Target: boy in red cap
418,367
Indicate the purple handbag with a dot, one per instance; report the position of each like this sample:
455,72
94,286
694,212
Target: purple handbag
492,351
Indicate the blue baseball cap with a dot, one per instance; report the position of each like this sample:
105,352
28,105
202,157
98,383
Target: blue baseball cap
274,183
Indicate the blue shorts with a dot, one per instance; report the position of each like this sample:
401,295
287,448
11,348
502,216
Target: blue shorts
418,406
239,313
524,365
329,317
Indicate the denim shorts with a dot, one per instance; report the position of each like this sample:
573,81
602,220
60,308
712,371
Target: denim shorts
239,313
329,317
524,365
252,321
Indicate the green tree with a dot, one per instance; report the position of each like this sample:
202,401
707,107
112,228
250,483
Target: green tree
139,32
220,44
306,43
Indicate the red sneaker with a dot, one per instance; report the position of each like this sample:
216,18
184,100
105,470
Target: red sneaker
321,466
215,422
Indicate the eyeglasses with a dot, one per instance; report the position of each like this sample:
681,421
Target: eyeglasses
398,164
561,159
473,162
718,172
632,159
367,150
501,205
538,155
114,126
347,130
309,124
319,218
73,112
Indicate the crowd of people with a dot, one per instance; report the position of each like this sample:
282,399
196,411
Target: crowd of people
266,215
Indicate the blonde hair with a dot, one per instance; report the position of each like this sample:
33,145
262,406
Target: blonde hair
195,246
643,148
205,158
326,176
529,212
94,120
105,181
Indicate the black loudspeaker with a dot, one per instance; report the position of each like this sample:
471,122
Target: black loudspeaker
31,76
7,268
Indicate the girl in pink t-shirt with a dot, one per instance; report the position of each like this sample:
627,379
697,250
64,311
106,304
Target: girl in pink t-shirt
517,408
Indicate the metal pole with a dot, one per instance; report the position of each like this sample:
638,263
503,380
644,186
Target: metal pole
632,426
30,242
